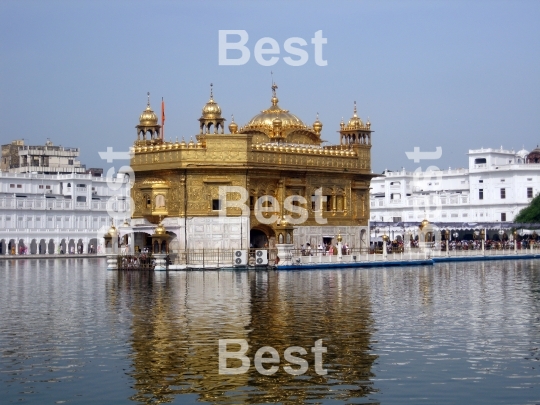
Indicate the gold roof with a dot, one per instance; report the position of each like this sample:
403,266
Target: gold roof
148,116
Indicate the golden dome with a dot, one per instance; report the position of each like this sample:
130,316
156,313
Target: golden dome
211,109
265,119
112,232
355,121
160,230
317,125
423,224
233,127
148,116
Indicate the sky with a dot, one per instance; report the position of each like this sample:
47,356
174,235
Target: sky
457,75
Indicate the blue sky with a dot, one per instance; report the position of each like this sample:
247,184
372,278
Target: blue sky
454,74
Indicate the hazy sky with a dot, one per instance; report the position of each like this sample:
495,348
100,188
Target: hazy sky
454,74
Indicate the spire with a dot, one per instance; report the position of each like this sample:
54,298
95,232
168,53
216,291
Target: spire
355,113
211,91
274,96
148,103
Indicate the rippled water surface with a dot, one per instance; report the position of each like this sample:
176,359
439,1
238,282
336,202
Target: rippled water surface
71,332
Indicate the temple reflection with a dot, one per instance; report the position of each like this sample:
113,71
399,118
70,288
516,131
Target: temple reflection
177,320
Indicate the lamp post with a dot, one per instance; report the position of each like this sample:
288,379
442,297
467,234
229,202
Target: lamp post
483,236
501,237
446,233
385,253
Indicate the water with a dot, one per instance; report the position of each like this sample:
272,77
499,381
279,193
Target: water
71,332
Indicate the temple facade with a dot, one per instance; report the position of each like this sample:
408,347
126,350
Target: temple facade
269,182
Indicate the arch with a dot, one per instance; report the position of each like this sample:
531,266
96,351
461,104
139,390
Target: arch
71,246
363,239
12,249
92,246
261,235
164,247
22,248
62,246
42,248
80,246
50,247
3,247
33,247
160,201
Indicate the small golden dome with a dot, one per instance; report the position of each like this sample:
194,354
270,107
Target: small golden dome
233,127
148,116
211,109
355,121
317,125
276,122
112,232
160,230
423,224
339,238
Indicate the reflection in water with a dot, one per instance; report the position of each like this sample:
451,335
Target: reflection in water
178,319
71,332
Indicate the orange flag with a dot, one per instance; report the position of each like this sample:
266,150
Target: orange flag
162,118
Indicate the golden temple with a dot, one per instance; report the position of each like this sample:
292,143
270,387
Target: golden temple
275,154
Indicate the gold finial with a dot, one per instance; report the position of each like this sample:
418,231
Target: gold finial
148,94
355,114
233,127
339,238
211,91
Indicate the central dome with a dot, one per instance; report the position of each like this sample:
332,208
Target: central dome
266,118
277,124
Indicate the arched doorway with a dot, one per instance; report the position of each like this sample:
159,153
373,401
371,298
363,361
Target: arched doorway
62,247
258,239
22,247
33,247
92,245
50,246
71,246
42,249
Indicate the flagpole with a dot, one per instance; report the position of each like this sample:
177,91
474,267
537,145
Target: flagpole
162,119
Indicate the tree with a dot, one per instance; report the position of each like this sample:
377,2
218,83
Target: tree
530,214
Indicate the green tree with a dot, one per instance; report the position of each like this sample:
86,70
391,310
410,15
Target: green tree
530,214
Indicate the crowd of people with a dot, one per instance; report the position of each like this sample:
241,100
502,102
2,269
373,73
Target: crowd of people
324,250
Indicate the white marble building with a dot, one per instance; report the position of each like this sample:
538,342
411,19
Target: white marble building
496,186
51,214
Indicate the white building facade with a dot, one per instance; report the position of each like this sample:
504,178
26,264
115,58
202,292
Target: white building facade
495,187
58,213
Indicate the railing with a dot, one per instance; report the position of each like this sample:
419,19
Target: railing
138,261
215,258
